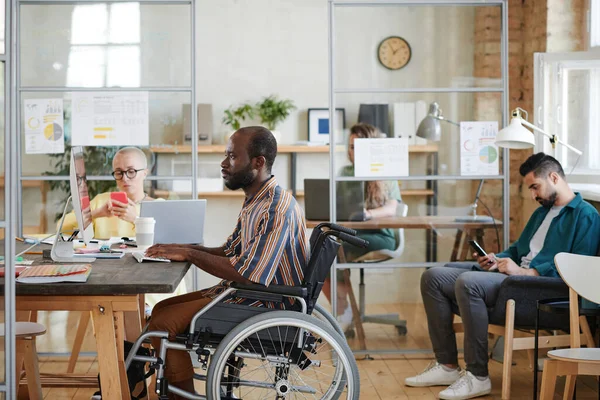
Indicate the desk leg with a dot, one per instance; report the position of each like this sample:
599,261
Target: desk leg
465,245
456,248
109,328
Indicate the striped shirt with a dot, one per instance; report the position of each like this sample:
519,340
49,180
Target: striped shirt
268,244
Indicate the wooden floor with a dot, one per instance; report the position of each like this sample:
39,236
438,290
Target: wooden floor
381,378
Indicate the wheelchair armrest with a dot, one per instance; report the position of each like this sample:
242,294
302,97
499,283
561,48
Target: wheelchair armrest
283,290
526,291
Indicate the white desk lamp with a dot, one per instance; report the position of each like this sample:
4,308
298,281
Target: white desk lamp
515,136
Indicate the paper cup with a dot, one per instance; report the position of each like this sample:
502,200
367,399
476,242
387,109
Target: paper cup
144,231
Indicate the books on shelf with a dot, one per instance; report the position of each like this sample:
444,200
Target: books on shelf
50,273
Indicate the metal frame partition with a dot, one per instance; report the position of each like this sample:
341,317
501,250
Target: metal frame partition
191,89
8,387
433,179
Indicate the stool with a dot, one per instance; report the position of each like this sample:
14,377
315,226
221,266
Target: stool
561,306
26,333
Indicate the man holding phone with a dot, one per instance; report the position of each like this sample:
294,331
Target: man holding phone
563,223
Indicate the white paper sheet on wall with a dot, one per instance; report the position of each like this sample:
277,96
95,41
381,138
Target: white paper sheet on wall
478,151
110,119
381,157
44,126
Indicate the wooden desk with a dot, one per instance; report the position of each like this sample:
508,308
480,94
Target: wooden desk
112,294
433,222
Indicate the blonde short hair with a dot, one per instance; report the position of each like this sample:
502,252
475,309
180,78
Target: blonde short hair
134,150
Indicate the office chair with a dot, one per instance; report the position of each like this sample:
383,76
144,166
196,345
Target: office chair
376,257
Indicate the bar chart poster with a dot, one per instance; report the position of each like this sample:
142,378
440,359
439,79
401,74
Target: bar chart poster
110,119
478,151
44,126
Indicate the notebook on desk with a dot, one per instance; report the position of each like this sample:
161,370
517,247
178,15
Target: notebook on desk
350,200
177,221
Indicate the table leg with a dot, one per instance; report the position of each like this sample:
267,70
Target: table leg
110,355
465,245
455,249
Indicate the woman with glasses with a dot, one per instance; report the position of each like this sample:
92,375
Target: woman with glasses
113,218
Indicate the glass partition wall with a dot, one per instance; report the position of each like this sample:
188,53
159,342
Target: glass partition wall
409,55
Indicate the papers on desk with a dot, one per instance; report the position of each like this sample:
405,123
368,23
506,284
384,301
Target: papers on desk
99,254
51,273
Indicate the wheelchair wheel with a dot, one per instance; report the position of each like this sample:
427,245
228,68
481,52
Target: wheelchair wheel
260,358
321,313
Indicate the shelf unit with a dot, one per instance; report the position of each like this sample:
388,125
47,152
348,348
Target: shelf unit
293,150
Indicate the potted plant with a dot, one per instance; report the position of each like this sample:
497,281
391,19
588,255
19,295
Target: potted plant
273,111
235,116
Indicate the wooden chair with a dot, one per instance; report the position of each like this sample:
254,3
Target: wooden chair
26,332
513,316
581,274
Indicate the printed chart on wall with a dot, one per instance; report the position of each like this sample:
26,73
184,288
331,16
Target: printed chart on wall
44,126
110,119
381,157
478,151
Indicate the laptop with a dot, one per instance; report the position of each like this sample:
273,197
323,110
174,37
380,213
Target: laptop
177,221
349,207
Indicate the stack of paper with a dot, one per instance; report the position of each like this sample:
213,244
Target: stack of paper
51,273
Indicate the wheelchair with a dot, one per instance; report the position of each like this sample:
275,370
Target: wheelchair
259,352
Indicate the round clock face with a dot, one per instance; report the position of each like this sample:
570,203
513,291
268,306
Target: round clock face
394,52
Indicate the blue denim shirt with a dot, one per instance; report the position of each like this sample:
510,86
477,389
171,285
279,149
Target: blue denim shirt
576,229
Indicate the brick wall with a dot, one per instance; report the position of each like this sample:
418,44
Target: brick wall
534,26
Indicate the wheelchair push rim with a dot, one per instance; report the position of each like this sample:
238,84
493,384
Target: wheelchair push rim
260,359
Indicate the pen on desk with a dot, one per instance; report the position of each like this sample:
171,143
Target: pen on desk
34,252
19,239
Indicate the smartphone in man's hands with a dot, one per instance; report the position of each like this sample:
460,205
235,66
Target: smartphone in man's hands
481,253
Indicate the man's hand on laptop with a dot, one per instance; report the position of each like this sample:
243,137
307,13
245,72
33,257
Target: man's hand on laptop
487,262
170,251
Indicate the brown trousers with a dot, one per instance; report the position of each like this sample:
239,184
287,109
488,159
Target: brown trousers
174,315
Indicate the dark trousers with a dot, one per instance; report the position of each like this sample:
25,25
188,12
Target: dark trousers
456,287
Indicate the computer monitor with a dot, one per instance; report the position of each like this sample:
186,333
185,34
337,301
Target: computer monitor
63,250
80,195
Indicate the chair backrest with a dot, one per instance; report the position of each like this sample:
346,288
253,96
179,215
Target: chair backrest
580,273
323,251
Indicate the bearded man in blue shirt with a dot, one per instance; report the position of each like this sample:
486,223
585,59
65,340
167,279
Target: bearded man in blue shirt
563,223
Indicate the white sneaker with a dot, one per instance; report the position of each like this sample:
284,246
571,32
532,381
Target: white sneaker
345,319
467,387
434,375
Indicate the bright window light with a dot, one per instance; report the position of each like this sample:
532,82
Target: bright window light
123,66
105,47
124,23
89,23
86,66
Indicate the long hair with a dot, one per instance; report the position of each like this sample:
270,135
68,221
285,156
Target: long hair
375,193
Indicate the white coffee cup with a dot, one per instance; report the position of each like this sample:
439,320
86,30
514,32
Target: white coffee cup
144,231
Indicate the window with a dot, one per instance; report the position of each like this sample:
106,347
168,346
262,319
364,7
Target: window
105,46
567,100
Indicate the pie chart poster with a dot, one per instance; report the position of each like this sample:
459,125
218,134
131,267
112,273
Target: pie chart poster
44,126
478,151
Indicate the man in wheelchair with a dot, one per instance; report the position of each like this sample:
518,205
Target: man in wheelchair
268,245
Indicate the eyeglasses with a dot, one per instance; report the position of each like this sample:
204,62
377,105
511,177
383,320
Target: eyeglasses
80,180
131,173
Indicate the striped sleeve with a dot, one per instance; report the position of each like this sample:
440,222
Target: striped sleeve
232,242
260,260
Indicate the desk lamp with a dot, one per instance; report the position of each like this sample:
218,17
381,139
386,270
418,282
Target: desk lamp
429,128
474,217
515,136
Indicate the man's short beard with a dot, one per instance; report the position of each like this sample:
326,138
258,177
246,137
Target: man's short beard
549,202
241,179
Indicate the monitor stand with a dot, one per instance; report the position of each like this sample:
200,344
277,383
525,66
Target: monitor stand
62,251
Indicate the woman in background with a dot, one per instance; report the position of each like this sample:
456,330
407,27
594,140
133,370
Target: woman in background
111,218
381,200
